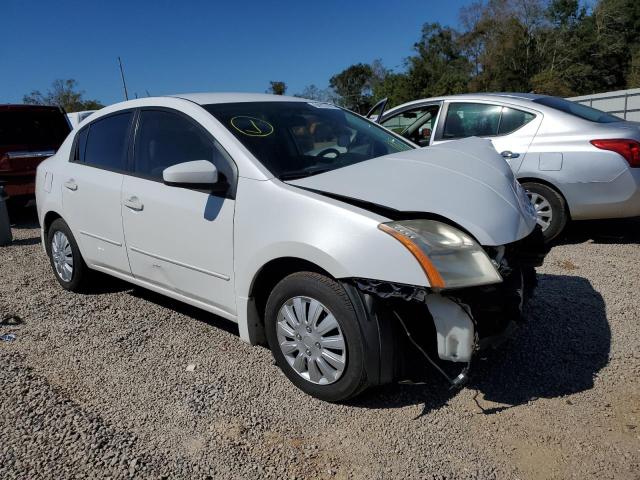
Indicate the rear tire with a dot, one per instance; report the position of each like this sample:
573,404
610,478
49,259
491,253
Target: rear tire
67,263
289,321
551,209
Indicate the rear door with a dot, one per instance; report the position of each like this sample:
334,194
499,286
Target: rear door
179,238
92,189
511,129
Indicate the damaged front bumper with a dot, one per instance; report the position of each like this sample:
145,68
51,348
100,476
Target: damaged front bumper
463,321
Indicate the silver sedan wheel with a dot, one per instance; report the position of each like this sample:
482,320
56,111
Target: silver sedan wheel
543,209
311,340
62,256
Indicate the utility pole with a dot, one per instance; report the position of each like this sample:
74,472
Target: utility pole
124,84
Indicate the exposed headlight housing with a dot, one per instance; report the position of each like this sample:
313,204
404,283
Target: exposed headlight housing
450,258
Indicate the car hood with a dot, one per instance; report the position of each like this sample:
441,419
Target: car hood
465,181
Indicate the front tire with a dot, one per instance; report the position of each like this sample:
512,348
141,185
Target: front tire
550,207
314,335
67,263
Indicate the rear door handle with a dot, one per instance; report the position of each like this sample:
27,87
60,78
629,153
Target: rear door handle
71,184
509,154
133,203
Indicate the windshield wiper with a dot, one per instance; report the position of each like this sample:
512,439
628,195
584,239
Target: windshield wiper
295,175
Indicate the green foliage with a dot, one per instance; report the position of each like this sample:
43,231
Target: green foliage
277,88
312,92
353,86
65,94
556,47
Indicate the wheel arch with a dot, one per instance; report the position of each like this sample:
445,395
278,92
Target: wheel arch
50,217
550,185
265,279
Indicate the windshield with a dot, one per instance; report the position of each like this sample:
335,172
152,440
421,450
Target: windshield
38,128
577,110
299,139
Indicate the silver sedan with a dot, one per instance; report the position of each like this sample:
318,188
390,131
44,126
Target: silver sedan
575,162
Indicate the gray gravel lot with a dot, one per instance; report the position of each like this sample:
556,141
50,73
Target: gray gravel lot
95,386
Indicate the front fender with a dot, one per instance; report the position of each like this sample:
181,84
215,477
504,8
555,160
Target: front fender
342,239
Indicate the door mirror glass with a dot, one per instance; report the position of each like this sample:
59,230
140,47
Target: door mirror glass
194,174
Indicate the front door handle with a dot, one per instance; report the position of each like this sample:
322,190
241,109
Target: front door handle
71,184
509,154
133,203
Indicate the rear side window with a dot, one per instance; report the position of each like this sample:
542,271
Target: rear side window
106,142
165,139
471,120
513,119
577,110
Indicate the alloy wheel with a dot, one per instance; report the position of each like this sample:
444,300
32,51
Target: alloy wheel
311,340
62,256
544,212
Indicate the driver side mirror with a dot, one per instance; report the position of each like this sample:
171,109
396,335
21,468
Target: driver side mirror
198,174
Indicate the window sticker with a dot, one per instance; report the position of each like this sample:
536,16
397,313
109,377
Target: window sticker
323,105
251,126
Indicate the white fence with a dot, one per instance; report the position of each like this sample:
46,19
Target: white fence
622,103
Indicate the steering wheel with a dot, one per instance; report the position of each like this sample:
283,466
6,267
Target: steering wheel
327,151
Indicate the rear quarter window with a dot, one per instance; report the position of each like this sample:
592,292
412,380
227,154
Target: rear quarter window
577,110
513,119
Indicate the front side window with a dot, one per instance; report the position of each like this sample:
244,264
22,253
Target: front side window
106,142
399,123
416,124
471,120
299,139
165,139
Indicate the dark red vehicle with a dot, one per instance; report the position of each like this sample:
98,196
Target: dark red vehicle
28,135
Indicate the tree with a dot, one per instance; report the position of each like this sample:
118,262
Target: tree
353,86
557,47
65,94
508,33
312,92
440,66
277,88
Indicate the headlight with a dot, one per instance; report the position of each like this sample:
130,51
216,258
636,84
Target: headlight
450,258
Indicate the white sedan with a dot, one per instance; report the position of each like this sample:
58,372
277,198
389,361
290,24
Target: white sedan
317,231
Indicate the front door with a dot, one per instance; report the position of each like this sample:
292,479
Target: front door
92,189
416,123
177,238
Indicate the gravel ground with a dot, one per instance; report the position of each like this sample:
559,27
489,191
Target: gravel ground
96,386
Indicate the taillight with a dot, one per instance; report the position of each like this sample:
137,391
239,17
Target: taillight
629,149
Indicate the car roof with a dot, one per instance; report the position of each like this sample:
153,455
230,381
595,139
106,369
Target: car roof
489,96
522,99
235,97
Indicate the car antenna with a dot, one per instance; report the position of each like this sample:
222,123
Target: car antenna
124,84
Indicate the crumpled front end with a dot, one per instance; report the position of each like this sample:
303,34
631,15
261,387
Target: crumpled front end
454,324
